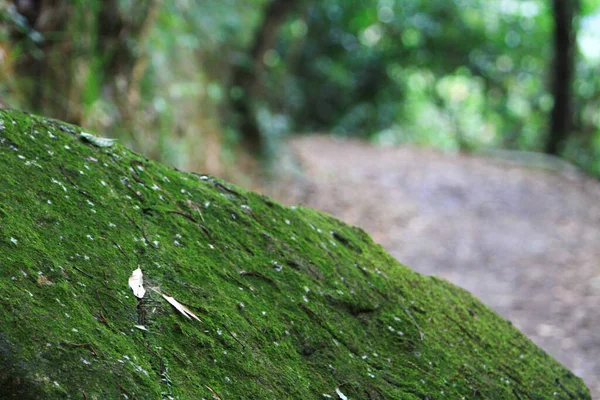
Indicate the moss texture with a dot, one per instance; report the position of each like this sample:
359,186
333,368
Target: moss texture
293,303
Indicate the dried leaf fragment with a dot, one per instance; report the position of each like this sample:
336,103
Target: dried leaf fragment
178,306
215,396
136,283
341,395
97,141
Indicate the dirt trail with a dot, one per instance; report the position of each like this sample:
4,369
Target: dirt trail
525,241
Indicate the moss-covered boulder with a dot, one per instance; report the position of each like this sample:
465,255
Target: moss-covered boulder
291,303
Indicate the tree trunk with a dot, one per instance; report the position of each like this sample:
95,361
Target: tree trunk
46,18
248,77
563,73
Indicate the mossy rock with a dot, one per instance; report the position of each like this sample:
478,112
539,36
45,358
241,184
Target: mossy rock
293,303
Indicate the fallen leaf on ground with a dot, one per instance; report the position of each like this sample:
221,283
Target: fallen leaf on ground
97,141
178,306
341,395
136,283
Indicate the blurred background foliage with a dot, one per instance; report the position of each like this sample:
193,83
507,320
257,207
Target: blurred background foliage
215,85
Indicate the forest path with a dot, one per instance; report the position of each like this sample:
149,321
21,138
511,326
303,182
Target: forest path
525,241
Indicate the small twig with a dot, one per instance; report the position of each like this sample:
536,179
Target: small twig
225,188
136,194
85,345
119,247
205,229
183,214
141,228
258,275
233,336
413,321
83,272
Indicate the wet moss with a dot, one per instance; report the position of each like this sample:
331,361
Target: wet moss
293,303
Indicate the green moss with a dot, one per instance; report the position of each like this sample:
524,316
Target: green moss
294,304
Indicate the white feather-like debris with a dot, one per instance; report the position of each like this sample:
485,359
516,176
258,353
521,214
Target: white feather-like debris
97,141
341,395
179,307
136,283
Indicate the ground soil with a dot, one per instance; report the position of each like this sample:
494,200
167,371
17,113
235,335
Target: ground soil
526,241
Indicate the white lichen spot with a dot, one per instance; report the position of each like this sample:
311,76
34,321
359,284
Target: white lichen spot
90,237
219,331
287,221
176,243
371,375
155,243
67,147
110,224
227,379
306,289
13,240
305,299
86,362
94,211
278,267
155,187
103,183
21,157
264,313
30,294
74,330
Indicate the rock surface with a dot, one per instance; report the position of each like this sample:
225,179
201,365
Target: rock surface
523,240
292,302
